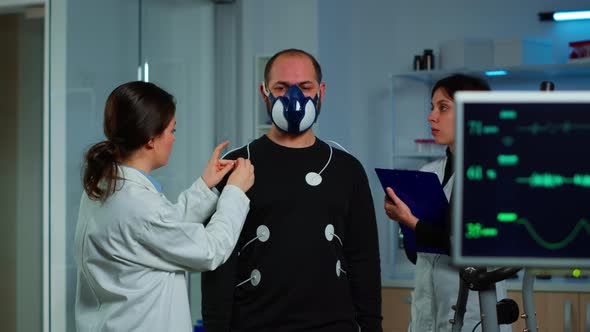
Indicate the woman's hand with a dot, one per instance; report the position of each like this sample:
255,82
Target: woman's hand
243,175
397,210
216,169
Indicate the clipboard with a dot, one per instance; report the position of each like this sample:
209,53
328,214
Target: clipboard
424,195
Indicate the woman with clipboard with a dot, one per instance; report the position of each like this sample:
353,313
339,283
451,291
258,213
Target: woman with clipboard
436,281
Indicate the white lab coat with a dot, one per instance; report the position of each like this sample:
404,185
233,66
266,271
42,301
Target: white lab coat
437,283
132,252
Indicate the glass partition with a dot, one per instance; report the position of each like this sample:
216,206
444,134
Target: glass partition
94,47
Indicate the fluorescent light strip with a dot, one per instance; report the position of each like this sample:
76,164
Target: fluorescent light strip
571,15
496,73
146,72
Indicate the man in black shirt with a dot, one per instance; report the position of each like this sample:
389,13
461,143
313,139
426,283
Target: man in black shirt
308,255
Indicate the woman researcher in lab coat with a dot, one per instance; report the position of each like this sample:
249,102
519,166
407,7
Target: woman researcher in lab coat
436,281
132,245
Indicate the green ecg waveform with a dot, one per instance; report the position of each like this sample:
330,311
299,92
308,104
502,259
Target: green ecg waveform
552,128
582,224
476,231
477,128
548,180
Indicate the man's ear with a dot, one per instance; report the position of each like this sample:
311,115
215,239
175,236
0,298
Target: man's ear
322,91
263,92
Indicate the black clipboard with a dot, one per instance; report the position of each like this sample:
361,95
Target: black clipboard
424,195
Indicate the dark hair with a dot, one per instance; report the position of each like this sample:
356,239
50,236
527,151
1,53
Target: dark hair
293,51
135,112
460,82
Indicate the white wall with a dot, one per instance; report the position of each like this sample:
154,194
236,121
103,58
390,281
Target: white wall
362,42
228,26
268,26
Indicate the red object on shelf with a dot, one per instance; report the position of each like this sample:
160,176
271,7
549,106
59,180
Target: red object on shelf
426,145
424,140
580,49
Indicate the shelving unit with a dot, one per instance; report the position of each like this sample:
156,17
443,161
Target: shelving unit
520,77
532,72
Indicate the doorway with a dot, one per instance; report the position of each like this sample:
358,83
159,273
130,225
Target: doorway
21,169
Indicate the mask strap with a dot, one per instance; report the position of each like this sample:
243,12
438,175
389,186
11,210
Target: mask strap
265,89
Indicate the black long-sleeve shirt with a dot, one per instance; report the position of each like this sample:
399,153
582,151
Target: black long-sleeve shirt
300,289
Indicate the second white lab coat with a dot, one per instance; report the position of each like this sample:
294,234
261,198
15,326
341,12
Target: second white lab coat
437,283
132,252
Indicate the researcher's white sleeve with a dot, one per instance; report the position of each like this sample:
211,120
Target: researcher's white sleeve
171,244
197,203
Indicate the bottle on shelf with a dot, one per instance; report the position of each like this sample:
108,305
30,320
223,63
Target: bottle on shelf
417,62
428,60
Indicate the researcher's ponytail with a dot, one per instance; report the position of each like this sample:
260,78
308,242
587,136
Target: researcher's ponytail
100,171
135,112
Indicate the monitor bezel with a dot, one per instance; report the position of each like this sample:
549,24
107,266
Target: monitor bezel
497,97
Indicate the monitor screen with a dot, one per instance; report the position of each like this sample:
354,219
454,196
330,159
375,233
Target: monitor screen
522,179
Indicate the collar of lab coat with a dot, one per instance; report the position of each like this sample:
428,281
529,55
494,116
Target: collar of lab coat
134,175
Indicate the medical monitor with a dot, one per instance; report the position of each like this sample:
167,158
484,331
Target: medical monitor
522,179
